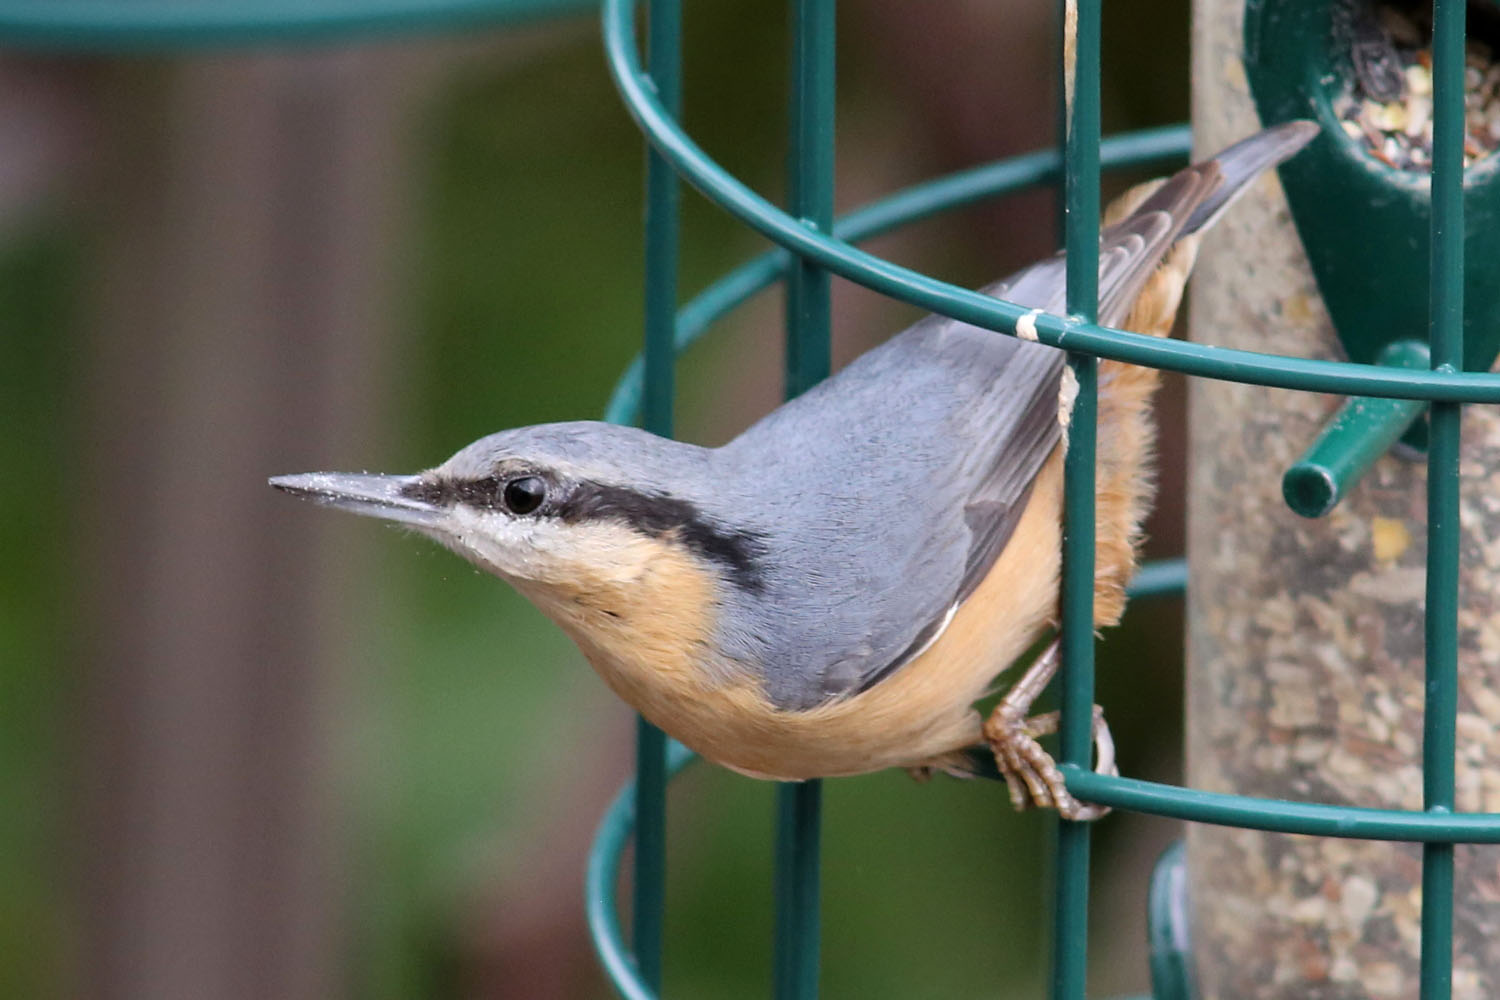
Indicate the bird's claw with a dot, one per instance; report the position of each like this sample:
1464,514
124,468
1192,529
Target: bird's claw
1030,772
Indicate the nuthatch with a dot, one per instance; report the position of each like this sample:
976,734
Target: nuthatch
832,591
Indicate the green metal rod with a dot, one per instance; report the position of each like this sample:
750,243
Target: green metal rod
1446,338
1070,898
1162,578
1148,147
602,876
1168,926
1081,19
1279,816
810,163
664,54
1341,377
810,159
799,822
648,898
664,45
1363,429
165,25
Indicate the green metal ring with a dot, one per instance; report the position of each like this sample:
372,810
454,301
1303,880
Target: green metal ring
1148,147
1281,816
1168,926
603,875
143,25
1225,364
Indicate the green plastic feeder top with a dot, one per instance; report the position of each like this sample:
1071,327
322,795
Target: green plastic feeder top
1360,197
1360,193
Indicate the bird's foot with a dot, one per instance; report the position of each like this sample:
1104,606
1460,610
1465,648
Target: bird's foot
1030,772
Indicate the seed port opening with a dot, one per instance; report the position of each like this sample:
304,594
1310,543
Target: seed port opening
1383,78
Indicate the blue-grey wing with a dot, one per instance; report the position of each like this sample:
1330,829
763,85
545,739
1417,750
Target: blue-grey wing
1004,439
899,479
877,554
999,434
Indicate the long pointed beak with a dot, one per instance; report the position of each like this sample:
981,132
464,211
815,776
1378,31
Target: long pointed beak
372,496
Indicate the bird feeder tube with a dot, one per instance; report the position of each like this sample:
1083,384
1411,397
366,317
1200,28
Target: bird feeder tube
1308,639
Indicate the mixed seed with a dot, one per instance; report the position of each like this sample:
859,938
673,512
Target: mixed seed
1389,104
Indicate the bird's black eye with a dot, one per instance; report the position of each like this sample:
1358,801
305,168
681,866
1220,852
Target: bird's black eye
524,495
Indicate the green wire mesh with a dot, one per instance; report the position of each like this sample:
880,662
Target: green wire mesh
1150,148
813,247
810,247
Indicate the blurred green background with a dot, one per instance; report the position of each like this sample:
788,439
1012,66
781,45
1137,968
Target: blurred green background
394,797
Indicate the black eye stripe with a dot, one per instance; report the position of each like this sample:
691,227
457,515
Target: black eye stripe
658,514
737,551
479,491
484,494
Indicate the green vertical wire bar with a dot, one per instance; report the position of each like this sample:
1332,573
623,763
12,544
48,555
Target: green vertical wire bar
1446,337
799,822
1070,937
810,152
664,64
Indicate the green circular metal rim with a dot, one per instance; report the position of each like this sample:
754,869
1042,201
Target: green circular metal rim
603,875
1281,816
164,25
1146,148
839,257
1168,926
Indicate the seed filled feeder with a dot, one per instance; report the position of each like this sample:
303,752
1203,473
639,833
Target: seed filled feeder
1361,200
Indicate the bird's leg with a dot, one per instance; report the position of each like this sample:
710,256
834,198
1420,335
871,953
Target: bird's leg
1030,772
1104,742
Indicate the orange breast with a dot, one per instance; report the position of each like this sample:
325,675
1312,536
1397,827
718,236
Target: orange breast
923,711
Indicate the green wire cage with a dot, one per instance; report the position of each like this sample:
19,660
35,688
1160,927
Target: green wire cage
815,246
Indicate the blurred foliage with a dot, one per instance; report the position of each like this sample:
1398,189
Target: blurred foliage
37,273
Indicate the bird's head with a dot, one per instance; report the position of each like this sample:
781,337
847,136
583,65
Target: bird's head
566,512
